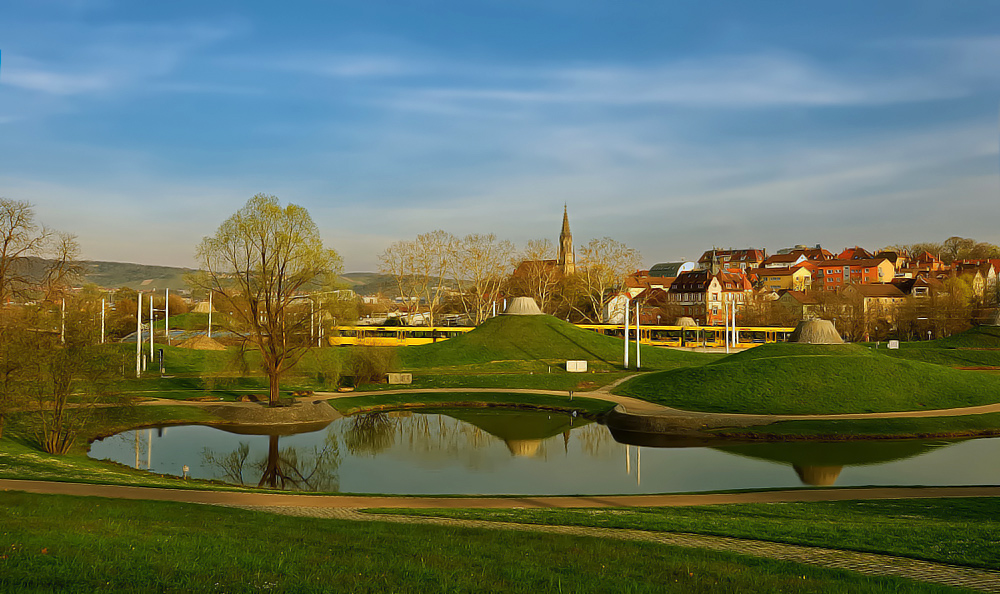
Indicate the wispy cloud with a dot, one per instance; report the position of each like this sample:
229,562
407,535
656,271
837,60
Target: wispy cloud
92,60
763,80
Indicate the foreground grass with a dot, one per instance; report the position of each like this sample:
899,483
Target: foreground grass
956,531
372,402
814,379
68,544
21,458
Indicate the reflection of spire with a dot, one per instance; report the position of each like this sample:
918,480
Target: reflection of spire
566,440
820,476
628,460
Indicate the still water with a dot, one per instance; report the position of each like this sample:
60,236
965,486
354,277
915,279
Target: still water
476,451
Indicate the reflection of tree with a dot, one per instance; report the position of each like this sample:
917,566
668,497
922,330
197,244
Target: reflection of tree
308,470
231,464
596,441
370,434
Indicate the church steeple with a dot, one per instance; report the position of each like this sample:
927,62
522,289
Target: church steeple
567,261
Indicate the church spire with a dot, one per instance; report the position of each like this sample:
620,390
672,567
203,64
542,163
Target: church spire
567,260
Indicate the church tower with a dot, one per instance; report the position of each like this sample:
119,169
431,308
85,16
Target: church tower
566,261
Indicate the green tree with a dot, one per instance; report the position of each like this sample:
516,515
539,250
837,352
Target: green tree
260,261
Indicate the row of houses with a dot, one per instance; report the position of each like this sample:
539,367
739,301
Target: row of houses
794,277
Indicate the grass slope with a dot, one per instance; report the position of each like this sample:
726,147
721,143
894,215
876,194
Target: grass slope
814,379
88,544
542,340
976,347
957,531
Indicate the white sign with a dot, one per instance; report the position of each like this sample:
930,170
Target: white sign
893,344
576,366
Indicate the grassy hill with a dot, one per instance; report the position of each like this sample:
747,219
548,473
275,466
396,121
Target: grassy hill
814,379
537,341
976,347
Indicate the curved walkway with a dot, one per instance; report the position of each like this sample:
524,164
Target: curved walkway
346,507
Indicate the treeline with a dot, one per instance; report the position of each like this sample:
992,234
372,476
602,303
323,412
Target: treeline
473,274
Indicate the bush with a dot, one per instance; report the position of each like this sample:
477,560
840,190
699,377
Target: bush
369,365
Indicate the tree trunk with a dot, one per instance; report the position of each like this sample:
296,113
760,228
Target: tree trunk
274,395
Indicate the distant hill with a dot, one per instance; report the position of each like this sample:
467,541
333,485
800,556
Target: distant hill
113,275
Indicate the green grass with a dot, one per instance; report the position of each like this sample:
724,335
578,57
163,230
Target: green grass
976,347
20,457
541,341
966,425
72,544
960,531
371,402
814,379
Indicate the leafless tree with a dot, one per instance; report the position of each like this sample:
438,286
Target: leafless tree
20,238
479,267
602,268
537,275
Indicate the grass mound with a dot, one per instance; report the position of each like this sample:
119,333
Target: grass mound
980,337
544,339
814,379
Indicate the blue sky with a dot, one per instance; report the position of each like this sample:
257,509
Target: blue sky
671,126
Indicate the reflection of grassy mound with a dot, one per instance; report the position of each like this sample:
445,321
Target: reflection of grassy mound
841,453
537,339
814,379
516,425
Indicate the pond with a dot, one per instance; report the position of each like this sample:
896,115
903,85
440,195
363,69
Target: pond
497,451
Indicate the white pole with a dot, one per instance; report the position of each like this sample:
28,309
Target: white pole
736,332
312,320
725,314
166,316
62,323
628,460
626,334
138,336
102,320
638,341
210,314
151,327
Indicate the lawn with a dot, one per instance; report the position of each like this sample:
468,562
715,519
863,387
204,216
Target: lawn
959,531
73,544
814,379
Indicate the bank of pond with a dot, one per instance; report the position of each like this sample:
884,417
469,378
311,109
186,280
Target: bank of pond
496,451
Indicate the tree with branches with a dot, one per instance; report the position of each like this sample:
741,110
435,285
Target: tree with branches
260,262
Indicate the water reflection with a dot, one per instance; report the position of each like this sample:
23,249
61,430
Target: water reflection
820,463
301,469
496,451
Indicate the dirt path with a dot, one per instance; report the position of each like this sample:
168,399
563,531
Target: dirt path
347,507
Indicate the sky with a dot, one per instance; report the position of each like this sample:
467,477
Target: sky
673,127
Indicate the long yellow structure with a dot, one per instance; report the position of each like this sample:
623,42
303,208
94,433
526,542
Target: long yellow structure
667,336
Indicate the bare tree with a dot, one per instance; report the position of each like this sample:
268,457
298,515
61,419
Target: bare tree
259,261
20,239
602,268
420,267
479,264
536,274
65,267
